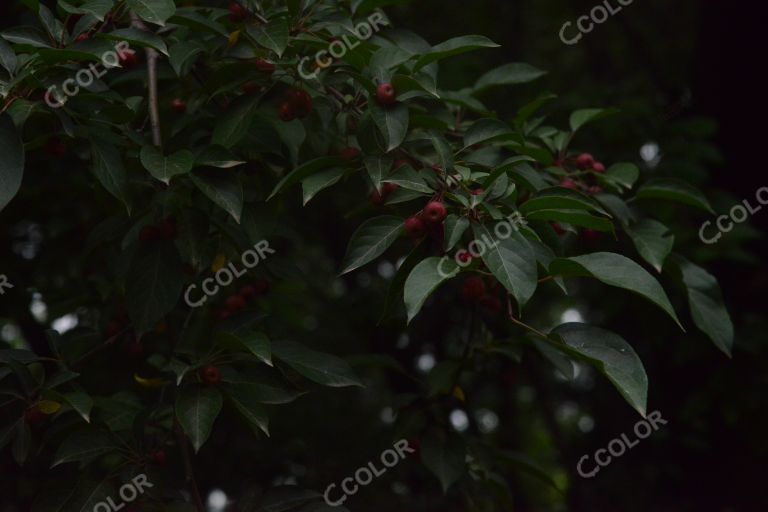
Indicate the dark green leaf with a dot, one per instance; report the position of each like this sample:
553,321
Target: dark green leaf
325,369
424,279
197,408
370,241
11,160
153,284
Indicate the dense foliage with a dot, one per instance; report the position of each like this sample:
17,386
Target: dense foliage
167,184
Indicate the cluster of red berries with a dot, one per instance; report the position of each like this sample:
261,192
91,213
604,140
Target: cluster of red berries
237,12
385,94
297,104
237,301
432,215
585,162
210,375
474,290
165,230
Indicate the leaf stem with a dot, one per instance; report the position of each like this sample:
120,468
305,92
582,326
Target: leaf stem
154,110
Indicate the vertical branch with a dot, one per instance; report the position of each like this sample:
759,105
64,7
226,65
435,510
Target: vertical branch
154,110
189,474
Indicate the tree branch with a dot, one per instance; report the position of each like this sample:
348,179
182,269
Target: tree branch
154,110
189,474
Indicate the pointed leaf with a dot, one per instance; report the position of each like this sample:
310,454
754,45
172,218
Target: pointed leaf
370,241
197,408
325,369
424,279
11,160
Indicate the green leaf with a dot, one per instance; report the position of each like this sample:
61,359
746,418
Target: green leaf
182,55
508,74
223,188
424,279
616,270
274,35
611,355
256,343
97,8
443,149
378,167
623,174
234,124
245,401
216,156
560,198
581,117
575,217
153,11
370,241
487,130
305,170
27,36
392,122
136,37
197,408
510,259
109,170
325,369
264,388
8,58
652,240
83,445
408,178
153,284
163,167
445,457
452,47
674,190
455,227
320,181
11,160
81,402
706,303
395,291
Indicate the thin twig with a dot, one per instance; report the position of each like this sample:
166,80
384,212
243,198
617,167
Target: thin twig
154,110
520,323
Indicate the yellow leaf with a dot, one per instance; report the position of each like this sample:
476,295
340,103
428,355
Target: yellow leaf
48,406
218,262
233,38
149,383
458,393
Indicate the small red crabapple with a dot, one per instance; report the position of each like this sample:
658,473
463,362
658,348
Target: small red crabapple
210,375
598,167
473,288
584,161
435,212
415,227
385,94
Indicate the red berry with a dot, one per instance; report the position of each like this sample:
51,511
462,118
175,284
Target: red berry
301,101
127,58
464,257
149,234
55,147
558,229
221,315
349,154
598,167
158,457
210,375
593,190
491,303
286,112
179,105
264,66
237,12
388,188
385,94
376,198
473,288
590,235
167,229
477,191
415,227
234,303
261,286
435,212
82,37
34,416
584,161
569,183
247,292
400,163
250,88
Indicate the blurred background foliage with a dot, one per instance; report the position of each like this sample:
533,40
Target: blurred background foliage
683,76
